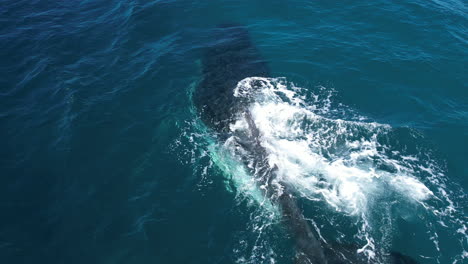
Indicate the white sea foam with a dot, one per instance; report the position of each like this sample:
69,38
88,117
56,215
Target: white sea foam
344,163
332,156
297,138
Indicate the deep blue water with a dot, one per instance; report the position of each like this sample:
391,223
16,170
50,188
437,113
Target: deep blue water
99,162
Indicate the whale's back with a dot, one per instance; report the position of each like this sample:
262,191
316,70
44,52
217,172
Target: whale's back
231,58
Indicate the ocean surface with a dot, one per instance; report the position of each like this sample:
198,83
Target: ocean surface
103,158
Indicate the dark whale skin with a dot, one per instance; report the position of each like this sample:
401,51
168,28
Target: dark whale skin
229,59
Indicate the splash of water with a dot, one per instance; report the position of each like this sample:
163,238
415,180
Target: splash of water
341,162
353,168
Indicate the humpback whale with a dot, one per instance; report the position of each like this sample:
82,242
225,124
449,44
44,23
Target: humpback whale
230,58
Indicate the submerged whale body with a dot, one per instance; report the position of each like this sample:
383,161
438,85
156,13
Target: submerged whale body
230,58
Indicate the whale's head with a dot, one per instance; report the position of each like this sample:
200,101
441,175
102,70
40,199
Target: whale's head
229,58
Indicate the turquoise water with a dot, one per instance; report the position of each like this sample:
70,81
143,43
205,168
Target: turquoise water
104,159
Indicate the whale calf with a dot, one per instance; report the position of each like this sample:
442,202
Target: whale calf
230,58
